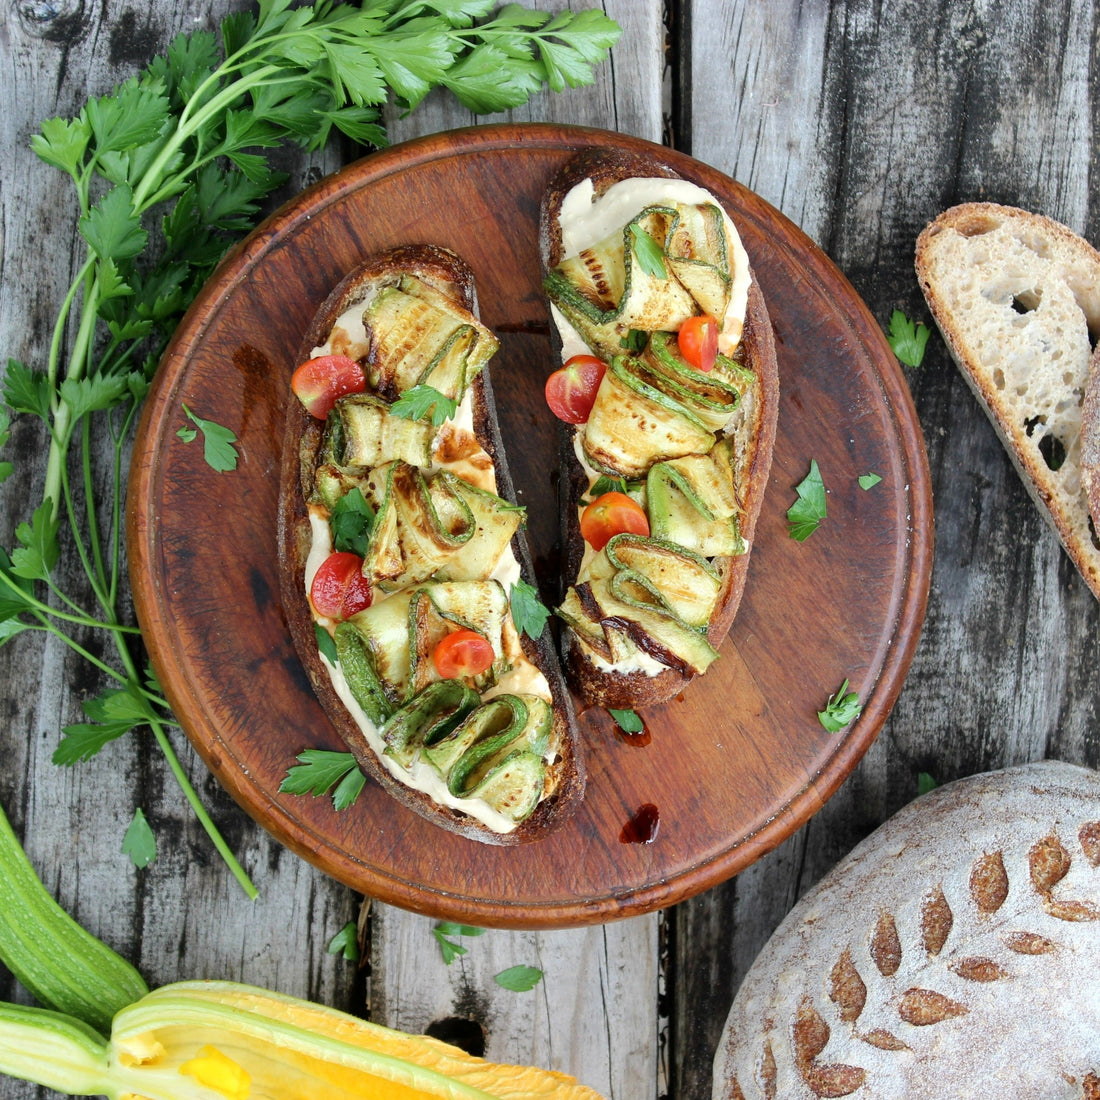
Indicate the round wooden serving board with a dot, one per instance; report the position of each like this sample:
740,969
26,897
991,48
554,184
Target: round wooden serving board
727,770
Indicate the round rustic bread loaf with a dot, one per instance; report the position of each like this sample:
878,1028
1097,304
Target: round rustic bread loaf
954,953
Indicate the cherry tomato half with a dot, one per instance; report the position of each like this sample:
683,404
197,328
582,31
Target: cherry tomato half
698,341
571,390
610,515
317,383
339,589
462,653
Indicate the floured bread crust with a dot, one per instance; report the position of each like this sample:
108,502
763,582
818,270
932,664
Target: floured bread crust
952,954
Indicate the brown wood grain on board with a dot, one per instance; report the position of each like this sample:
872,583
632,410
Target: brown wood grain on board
734,764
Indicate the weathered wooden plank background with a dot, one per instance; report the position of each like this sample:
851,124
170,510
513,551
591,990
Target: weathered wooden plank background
860,121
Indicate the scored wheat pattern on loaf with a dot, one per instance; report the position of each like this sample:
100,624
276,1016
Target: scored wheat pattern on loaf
936,970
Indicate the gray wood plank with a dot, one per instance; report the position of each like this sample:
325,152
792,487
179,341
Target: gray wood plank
184,916
861,122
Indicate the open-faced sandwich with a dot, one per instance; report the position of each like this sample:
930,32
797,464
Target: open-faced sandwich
669,393
402,555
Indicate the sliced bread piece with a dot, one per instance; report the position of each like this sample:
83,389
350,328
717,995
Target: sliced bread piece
1090,440
1017,298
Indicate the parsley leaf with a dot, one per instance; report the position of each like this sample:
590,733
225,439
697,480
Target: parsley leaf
518,979
529,613
908,339
628,720
804,516
606,484
650,254
36,558
448,948
139,843
868,481
113,712
351,520
346,942
635,341
319,771
218,449
325,643
423,401
27,390
841,710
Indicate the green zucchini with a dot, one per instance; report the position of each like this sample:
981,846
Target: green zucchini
686,582
605,291
426,718
409,337
59,963
698,255
652,628
713,396
588,629
485,343
514,786
633,424
418,526
381,632
691,502
360,431
494,724
354,653
495,521
437,609
55,1050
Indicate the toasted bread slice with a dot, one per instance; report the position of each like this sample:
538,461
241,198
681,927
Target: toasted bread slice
657,676
446,273
1017,299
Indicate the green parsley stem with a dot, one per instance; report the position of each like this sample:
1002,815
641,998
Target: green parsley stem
239,873
187,125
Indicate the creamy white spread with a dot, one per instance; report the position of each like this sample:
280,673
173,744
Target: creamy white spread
349,336
586,219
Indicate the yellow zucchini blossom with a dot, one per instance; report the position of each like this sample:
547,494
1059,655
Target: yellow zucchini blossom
223,1041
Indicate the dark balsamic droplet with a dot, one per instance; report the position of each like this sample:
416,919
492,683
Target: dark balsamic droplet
642,827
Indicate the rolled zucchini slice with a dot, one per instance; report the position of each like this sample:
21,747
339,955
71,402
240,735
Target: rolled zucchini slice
682,580
427,717
634,424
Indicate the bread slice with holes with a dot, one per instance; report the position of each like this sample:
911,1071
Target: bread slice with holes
951,954
1017,298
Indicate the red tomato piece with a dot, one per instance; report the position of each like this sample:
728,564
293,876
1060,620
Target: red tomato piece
571,390
610,515
698,341
317,383
462,653
339,589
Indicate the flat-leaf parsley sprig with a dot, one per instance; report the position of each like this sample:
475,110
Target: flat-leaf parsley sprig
167,171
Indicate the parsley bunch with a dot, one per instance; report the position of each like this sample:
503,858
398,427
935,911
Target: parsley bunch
168,170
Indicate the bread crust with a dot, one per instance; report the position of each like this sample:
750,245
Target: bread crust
302,440
1061,274
951,954
637,688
